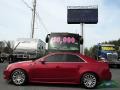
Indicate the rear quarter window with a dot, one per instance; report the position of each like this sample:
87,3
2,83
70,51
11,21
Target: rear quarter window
73,58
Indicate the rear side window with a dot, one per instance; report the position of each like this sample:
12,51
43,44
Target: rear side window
73,58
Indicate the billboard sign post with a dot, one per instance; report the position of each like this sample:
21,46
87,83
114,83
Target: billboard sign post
82,15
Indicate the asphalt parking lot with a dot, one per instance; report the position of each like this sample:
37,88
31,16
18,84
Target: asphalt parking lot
5,86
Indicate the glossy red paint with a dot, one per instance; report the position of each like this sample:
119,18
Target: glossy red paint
60,72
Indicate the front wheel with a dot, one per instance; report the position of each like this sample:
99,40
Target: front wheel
19,77
89,80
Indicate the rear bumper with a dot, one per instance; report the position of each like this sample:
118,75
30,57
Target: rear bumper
106,75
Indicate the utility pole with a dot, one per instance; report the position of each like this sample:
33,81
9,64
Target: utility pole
82,34
33,18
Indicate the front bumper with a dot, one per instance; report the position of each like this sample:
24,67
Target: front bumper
114,62
6,74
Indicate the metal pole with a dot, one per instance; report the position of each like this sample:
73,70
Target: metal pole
33,18
82,34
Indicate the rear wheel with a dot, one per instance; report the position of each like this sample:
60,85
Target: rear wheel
89,80
19,77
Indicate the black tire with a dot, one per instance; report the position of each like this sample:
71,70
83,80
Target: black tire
19,77
89,80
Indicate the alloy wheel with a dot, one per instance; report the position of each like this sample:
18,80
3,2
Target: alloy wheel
18,77
89,80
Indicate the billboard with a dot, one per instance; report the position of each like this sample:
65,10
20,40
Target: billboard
82,14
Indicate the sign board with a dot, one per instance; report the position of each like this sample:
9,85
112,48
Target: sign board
82,14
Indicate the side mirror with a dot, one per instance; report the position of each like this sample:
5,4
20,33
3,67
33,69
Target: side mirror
42,61
47,38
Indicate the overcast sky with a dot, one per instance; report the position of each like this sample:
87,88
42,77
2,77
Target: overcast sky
15,19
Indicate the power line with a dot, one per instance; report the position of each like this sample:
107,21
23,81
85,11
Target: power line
33,16
27,5
37,14
40,20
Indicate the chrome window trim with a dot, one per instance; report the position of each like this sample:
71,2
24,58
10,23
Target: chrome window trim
84,61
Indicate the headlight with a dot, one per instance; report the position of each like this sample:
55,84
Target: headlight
115,53
102,58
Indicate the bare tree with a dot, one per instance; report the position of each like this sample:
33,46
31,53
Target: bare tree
2,46
9,47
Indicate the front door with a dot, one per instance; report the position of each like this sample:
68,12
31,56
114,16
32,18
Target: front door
47,72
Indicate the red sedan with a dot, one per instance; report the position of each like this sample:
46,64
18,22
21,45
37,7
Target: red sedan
61,67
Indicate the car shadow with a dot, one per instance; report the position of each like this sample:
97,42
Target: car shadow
104,85
55,85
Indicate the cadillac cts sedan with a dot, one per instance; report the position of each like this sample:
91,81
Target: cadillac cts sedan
60,67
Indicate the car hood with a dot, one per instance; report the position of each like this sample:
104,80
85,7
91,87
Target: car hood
22,63
25,61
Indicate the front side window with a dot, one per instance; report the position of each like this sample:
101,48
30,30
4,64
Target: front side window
55,58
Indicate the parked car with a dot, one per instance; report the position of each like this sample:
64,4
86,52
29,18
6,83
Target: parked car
59,67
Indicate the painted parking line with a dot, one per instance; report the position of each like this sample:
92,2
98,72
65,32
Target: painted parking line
109,84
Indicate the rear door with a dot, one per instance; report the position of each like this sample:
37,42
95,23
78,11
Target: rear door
70,68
